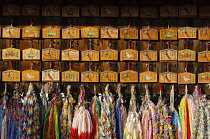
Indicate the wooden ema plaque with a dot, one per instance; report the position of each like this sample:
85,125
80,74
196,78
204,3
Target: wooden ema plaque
11,10
204,11
186,32
90,55
11,76
70,33
11,54
186,55
70,11
108,76
168,34
50,75
89,76
109,54
30,75
148,76
187,11
169,11
30,32
90,10
186,78
168,77
50,54
30,10
204,56
70,55
168,54
109,11
70,76
11,32
31,54
148,34
50,10
109,33
148,12
89,32
130,11
148,55
128,54
204,34
204,77
129,33
128,76
51,32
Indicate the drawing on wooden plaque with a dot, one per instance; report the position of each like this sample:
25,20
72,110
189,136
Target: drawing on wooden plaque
108,76
168,54
90,10
148,55
128,76
148,34
30,75
11,10
204,34
168,77
70,55
70,11
130,11
109,33
50,10
30,32
11,76
187,32
89,76
186,55
50,54
89,32
70,76
90,55
11,32
11,54
169,11
148,76
109,11
50,75
148,12
204,56
204,77
31,54
51,32
186,78
109,54
30,10
70,33
168,34
129,33
187,11
128,54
